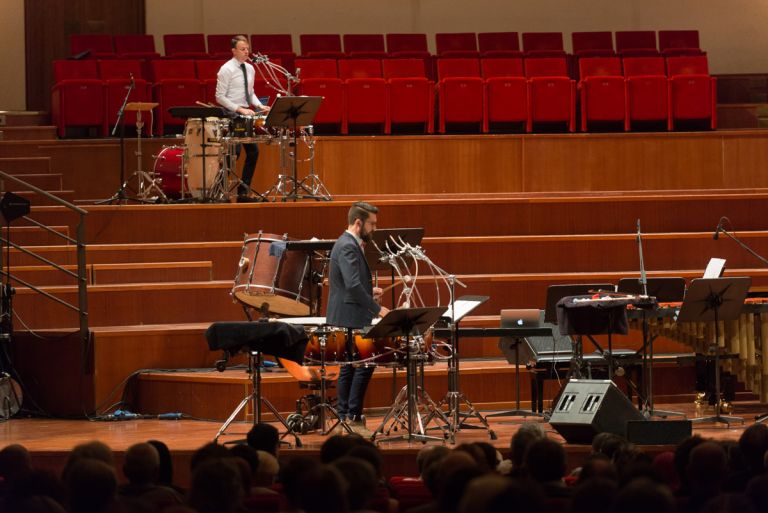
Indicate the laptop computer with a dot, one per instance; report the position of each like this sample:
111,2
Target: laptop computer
521,318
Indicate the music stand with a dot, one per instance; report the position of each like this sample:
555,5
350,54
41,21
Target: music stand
406,322
292,112
715,300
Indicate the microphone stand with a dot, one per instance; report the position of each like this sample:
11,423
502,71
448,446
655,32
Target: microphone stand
119,194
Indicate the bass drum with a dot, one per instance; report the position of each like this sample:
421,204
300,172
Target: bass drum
268,274
168,170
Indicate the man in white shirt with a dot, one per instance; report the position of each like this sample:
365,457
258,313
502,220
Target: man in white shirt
234,92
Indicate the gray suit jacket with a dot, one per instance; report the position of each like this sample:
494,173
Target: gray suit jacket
350,300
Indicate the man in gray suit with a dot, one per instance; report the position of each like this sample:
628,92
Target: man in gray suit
352,304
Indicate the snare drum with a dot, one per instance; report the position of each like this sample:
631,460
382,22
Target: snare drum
366,351
268,274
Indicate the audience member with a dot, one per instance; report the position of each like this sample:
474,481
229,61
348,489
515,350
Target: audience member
93,450
290,476
216,486
526,434
92,486
264,437
682,456
165,471
753,444
644,496
362,482
594,495
599,466
545,464
141,467
323,490
706,474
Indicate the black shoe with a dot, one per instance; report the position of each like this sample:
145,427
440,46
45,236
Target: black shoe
247,199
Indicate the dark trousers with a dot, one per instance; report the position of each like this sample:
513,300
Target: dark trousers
353,381
251,158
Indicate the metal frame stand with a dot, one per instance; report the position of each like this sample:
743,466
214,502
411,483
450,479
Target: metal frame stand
255,398
325,406
517,411
649,409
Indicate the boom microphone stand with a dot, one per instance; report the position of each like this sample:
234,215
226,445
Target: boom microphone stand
119,195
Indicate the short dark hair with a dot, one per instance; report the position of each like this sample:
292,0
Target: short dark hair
264,437
239,38
360,210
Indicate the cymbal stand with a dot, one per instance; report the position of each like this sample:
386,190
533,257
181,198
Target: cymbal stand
280,188
152,188
312,183
256,400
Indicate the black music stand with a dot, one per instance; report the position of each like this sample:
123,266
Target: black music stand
292,112
277,338
715,300
665,290
383,246
406,322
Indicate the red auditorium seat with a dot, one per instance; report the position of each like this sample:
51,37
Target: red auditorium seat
674,43
185,46
499,44
692,91
320,77
602,91
77,98
207,71
456,44
543,44
411,93
99,46
552,94
176,84
636,43
136,46
321,46
220,45
506,91
461,93
364,46
592,44
412,46
276,47
646,85
365,92
116,74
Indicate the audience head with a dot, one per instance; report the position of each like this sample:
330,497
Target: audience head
337,446
429,454
598,466
290,476
216,486
207,452
492,456
322,490
454,474
247,454
264,437
36,504
165,471
682,456
754,444
361,480
15,462
516,496
142,464
368,452
267,471
92,486
664,464
706,468
528,433
545,461
477,455
757,491
93,450
595,495
643,496
729,503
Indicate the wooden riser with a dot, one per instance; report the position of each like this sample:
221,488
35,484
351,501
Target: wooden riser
38,199
27,133
110,274
25,165
34,236
47,182
475,216
466,255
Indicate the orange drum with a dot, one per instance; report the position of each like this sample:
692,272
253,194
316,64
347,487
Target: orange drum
266,274
368,351
168,165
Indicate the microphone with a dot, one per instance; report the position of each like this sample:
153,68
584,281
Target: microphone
718,229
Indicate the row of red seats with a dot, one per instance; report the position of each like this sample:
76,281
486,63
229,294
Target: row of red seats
389,92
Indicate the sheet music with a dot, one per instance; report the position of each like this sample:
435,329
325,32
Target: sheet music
462,307
714,268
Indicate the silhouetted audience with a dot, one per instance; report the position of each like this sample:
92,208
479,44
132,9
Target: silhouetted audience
264,437
753,444
141,467
528,433
545,464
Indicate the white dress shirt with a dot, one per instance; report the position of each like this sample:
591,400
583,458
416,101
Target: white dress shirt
230,89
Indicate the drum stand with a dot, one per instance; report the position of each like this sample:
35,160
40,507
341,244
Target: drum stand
256,399
221,188
325,406
151,190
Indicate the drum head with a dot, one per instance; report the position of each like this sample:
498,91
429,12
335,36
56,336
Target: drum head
277,304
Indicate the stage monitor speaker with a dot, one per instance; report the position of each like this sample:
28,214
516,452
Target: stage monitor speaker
587,407
658,432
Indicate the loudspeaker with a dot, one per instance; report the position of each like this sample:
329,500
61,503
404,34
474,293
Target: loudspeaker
590,406
658,432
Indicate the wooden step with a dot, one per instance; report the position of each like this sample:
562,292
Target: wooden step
47,182
36,236
146,272
477,216
39,199
24,118
25,165
27,133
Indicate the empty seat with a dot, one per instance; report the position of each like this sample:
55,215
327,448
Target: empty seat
552,93
456,44
364,45
679,43
407,45
592,44
77,97
636,43
136,46
275,46
543,44
220,45
319,77
602,91
692,91
646,90
98,46
185,46
365,93
207,71
411,94
506,92
176,84
499,44
117,75
322,46
461,94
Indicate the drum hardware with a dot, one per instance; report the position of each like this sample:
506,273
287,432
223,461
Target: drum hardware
228,180
323,408
412,399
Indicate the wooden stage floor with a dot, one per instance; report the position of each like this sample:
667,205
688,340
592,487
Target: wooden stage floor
49,441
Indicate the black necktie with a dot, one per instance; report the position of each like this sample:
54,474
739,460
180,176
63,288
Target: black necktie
245,81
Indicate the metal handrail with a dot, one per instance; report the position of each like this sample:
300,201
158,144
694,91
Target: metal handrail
79,241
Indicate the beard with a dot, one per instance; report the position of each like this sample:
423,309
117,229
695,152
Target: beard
365,236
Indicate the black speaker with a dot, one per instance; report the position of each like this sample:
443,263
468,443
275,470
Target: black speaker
658,432
587,407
